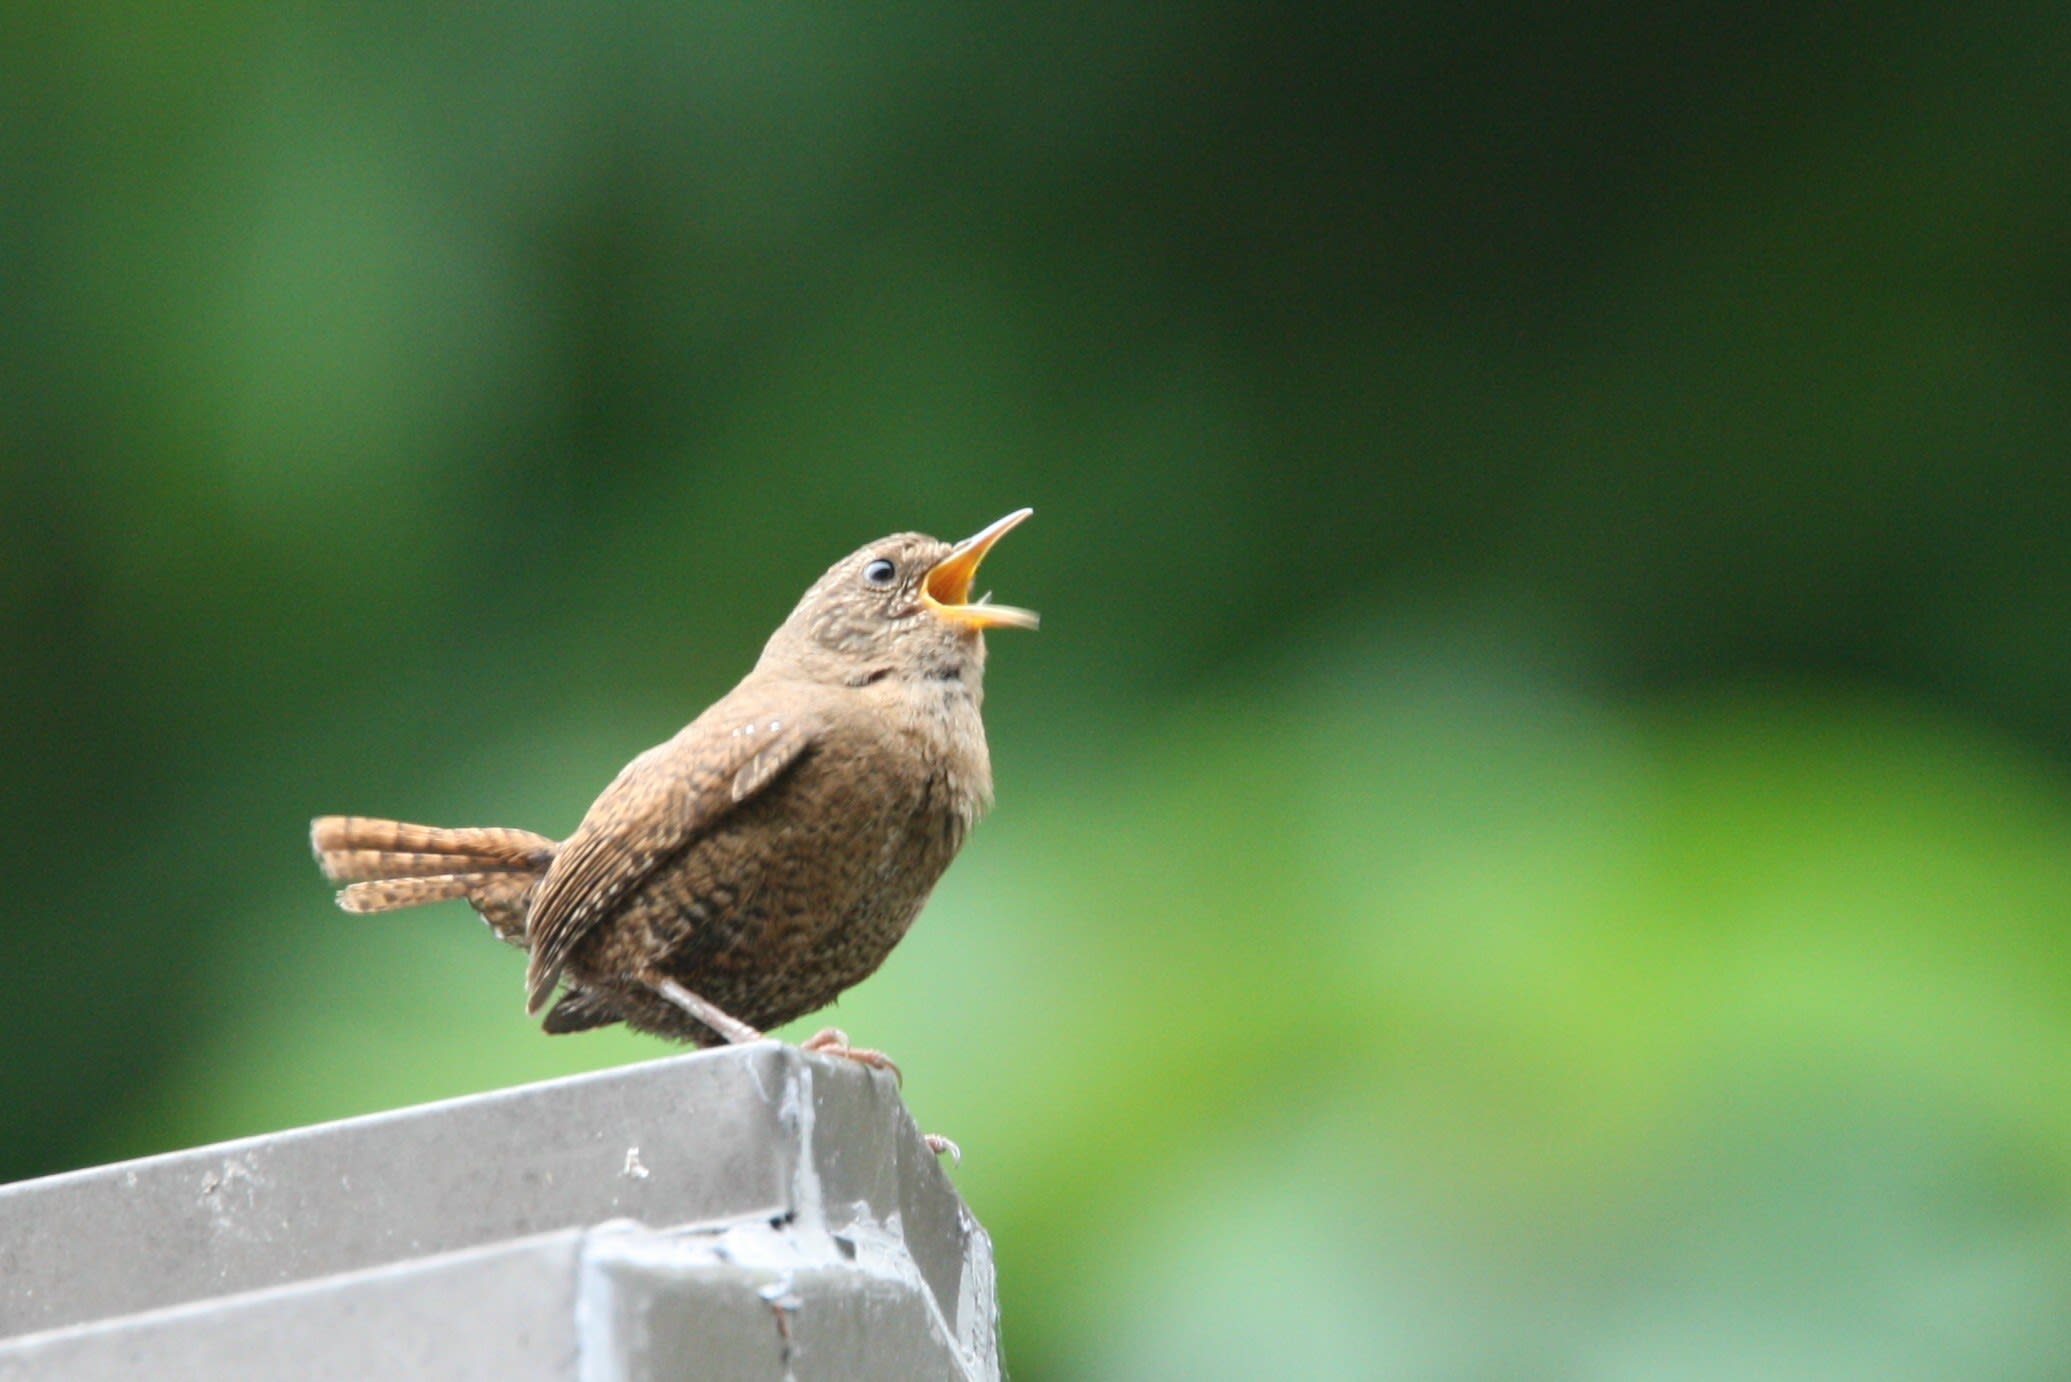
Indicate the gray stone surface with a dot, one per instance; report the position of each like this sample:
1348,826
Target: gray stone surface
506,1312
750,1212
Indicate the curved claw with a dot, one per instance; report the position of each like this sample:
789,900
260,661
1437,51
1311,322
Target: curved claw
833,1041
938,1144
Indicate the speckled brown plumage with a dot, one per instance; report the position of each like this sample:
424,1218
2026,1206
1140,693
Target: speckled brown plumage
772,853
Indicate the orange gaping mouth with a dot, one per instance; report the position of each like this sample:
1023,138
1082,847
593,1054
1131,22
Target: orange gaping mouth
947,590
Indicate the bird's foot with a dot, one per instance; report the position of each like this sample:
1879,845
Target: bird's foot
835,1042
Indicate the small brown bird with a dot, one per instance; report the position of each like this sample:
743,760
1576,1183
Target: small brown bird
769,856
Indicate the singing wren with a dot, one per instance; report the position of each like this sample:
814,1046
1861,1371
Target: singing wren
772,853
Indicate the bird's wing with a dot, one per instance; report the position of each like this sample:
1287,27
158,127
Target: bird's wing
649,812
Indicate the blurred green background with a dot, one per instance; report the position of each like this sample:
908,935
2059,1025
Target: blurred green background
1535,841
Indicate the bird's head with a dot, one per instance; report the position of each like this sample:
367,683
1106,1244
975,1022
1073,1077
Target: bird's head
899,606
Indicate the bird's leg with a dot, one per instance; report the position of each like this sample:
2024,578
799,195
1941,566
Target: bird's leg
830,1041
711,1014
835,1042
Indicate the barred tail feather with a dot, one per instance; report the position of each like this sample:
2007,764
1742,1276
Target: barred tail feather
391,864
387,894
353,849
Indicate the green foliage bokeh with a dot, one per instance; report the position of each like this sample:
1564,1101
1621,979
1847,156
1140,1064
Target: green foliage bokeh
1535,840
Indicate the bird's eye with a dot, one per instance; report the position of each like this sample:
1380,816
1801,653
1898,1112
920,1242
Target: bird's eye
880,572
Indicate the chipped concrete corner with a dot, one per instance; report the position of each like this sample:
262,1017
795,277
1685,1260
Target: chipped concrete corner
752,1212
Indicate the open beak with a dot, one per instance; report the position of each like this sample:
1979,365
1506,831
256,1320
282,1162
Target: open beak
947,590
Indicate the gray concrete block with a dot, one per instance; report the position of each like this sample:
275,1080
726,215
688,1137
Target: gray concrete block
749,1212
